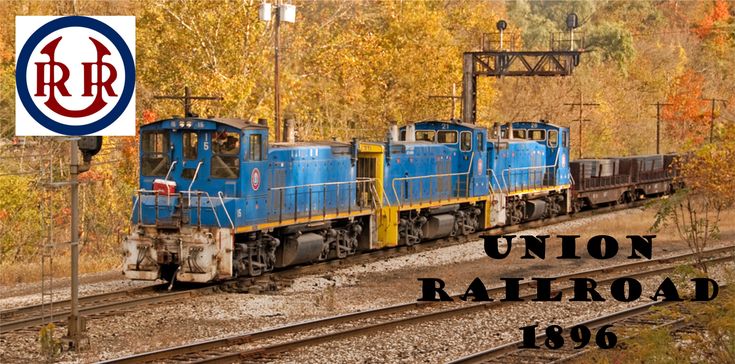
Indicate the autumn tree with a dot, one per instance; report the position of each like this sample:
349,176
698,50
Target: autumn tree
684,119
709,180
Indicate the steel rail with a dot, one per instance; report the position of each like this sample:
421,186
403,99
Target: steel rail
7,326
94,307
95,297
382,326
615,317
512,347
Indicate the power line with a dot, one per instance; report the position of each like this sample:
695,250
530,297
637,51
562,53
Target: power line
581,119
453,97
658,105
712,114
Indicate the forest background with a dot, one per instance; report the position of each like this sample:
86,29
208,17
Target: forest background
349,69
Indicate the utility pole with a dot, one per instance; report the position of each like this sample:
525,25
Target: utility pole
712,115
276,80
658,105
187,98
581,119
287,13
453,97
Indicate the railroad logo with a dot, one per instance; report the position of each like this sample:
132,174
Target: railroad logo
75,75
255,179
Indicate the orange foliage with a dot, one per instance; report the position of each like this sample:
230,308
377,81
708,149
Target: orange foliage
684,119
720,13
149,116
93,175
62,217
128,147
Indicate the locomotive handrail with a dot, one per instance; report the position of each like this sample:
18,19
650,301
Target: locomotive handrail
360,179
132,212
222,201
171,168
181,195
492,173
556,162
311,190
469,170
211,205
514,170
552,167
196,173
140,206
385,195
571,179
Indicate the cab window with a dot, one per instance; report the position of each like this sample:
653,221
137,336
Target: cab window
480,142
447,137
564,139
425,135
256,148
553,140
466,144
190,145
155,161
519,133
537,134
225,155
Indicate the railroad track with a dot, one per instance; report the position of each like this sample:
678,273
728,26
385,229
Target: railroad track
112,302
630,321
274,341
31,316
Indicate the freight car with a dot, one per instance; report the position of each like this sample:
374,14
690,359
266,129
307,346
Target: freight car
615,180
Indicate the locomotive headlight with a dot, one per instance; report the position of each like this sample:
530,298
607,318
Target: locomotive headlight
188,124
181,123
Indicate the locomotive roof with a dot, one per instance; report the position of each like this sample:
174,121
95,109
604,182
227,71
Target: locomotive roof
537,123
456,122
233,122
325,143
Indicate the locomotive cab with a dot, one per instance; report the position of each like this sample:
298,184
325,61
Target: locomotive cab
214,202
194,173
467,143
529,170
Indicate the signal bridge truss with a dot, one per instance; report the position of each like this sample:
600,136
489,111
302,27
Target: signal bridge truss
499,63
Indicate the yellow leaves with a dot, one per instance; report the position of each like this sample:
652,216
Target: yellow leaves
710,170
682,61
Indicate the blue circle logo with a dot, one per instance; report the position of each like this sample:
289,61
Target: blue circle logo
52,76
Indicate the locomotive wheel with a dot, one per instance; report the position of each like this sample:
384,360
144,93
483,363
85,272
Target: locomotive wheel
621,199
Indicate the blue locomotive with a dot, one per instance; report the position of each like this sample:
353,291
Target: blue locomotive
217,200
529,168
